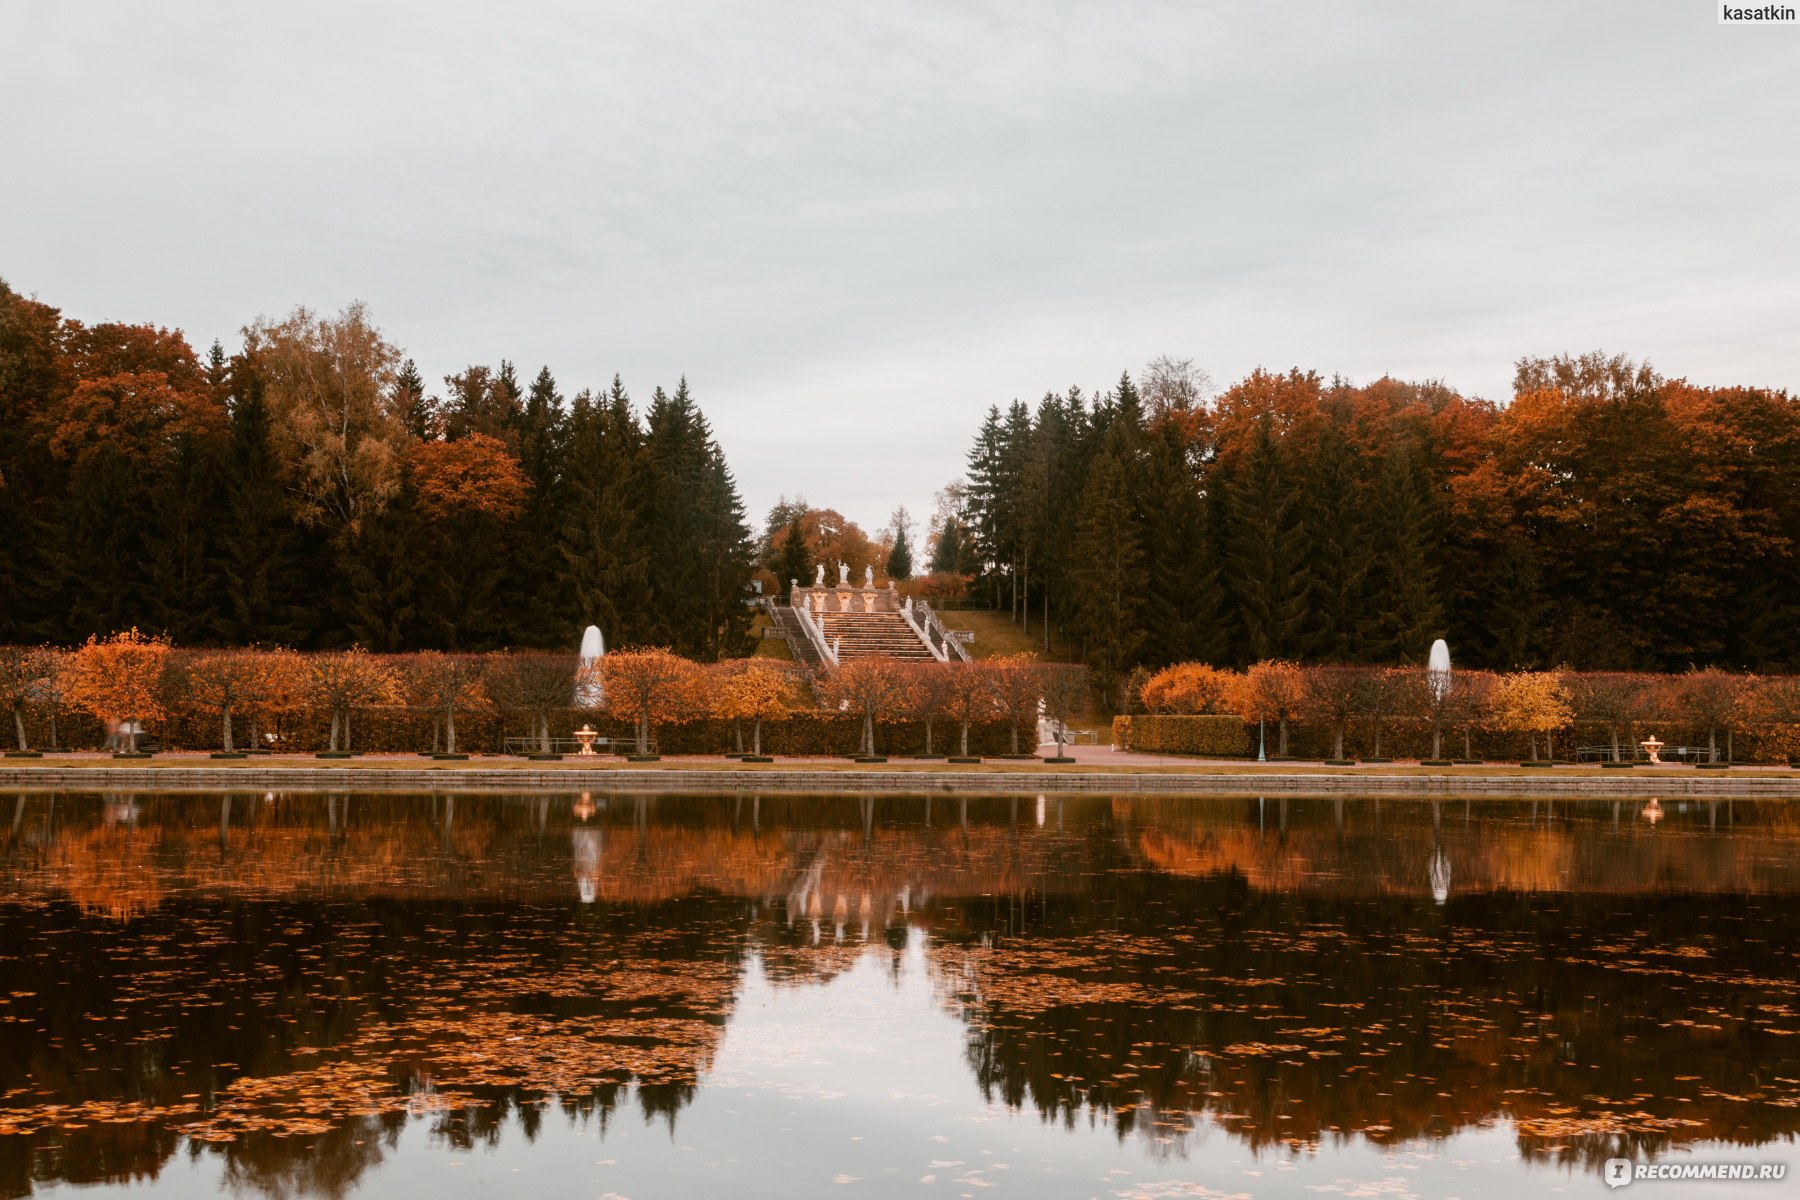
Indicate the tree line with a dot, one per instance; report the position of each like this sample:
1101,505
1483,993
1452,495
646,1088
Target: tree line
132,683
1605,518
310,490
1708,703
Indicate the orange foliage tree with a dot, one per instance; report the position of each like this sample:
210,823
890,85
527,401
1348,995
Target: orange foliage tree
647,687
930,688
475,474
875,686
1532,703
1332,695
1714,700
1193,688
971,697
1018,687
342,681
755,690
1272,691
445,683
228,681
120,679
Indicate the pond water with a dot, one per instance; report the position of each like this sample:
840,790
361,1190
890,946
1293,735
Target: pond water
298,994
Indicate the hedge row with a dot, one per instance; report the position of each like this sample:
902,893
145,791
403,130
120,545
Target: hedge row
395,730
1229,737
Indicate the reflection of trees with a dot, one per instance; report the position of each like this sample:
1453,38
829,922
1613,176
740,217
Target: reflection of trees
1290,1024
310,965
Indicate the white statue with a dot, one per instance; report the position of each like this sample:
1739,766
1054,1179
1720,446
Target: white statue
868,577
819,576
843,574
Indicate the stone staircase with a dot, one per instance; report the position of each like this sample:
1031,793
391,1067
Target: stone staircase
866,634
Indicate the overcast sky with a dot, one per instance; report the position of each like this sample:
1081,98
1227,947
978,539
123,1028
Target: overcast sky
854,226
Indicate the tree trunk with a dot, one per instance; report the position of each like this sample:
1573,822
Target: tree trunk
1712,743
544,733
131,738
1012,722
19,724
756,735
346,729
1615,741
1377,753
965,740
868,732
450,729
55,743
1730,749
643,734
333,745
928,736
1281,738
227,721
1437,740
1337,739
1468,751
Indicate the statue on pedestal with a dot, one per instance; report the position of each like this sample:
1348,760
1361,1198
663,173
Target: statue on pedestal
819,576
868,577
843,574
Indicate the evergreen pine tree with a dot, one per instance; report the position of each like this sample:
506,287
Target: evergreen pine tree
900,560
1404,609
605,568
1105,578
1265,571
1182,605
1336,525
793,564
258,548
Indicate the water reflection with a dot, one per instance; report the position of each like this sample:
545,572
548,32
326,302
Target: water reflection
285,988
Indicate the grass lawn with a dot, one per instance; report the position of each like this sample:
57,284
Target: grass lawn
776,648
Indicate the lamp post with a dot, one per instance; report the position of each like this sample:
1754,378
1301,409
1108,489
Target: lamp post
1261,747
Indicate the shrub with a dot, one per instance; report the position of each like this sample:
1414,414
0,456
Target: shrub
1174,733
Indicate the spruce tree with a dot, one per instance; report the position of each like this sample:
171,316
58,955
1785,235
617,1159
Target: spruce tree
793,565
605,569
1182,605
1265,555
899,560
1337,535
1404,609
1106,579
258,548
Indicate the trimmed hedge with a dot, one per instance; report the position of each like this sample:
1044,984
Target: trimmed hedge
1167,733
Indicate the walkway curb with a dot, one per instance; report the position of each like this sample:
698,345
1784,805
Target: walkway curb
339,779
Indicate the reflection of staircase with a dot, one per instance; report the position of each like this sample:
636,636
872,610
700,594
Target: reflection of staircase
865,634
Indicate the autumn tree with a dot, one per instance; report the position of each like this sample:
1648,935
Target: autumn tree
874,687
23,672
345,680
1066,692
1713,700
1463,705
1018,681
328,382
1191,688
447,683
1612,698
1272,691
972,696
648,687
1333,695
757,690
119,680
225,682
930,692
1532,703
